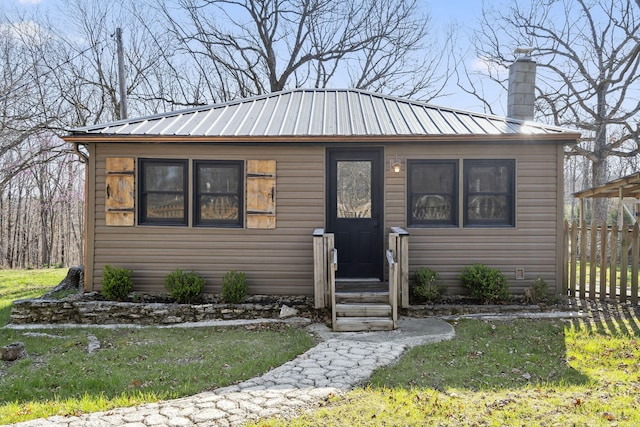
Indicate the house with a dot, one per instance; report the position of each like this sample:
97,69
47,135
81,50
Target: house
244,184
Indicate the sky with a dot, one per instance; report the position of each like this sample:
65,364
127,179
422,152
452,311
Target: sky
464,13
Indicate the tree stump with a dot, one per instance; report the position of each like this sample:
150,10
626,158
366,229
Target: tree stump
74,280
13,352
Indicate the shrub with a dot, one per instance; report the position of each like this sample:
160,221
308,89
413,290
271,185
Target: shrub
427,285
539,290
184,287
234,287
116,282
487,284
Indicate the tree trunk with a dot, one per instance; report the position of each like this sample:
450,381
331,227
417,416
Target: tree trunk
600,204
599,165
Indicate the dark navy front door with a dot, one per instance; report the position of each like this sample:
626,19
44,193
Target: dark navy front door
354,210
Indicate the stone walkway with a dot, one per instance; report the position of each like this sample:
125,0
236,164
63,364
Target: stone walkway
337,364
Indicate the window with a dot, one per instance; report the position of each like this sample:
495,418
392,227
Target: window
163,192
218,193
432,193
353,189
489,193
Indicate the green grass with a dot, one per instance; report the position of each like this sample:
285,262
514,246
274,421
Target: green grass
133,366
598,270
533,373
22,284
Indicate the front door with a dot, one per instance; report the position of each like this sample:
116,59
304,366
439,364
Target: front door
354,211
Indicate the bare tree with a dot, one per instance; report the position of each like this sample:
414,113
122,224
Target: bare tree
249,47
31,110
27,103
60,73
88,79
588,55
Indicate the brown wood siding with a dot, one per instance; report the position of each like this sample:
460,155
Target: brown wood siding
532,244
280,260
276,261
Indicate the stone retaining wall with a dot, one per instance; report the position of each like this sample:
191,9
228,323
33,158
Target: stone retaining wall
82,311
88,309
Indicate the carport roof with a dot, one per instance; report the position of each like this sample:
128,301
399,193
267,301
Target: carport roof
304,113
627,186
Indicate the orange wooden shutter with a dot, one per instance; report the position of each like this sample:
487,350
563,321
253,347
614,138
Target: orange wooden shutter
120,192
261,194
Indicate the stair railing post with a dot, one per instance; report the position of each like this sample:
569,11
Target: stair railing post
330,271
319,269
333,266
393,287
399,244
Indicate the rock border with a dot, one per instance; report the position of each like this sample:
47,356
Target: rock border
82,310
92,309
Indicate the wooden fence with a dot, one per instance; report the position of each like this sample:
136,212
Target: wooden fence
602,262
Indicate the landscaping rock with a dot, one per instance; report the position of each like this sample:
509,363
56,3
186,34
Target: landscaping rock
287,311
13,352
43,335
93,345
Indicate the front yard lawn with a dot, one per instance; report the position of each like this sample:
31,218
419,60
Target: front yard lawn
503,373
132,366
23,284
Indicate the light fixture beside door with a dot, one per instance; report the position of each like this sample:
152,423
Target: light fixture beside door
396,165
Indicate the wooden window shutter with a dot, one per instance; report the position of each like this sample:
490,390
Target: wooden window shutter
261,194
120,194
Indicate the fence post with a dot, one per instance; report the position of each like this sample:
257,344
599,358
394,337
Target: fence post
624,263
593,260
574,259
613,262
603,262
565,258
583,259
635,254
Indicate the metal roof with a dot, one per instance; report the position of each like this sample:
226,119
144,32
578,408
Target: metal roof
628,186
321,113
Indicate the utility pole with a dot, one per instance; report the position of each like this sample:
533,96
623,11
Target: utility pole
123,89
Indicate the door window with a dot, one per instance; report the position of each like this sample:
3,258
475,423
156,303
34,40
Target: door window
354,189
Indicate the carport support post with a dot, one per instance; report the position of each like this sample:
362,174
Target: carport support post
620,209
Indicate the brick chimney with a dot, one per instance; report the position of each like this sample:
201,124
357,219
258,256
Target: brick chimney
522,84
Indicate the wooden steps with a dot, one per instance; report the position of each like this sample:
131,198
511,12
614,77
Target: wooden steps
363,324
362,297
358,311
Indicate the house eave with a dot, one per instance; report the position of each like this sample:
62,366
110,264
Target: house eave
563,138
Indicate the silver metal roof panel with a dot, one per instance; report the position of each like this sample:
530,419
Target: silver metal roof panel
319,112
470,124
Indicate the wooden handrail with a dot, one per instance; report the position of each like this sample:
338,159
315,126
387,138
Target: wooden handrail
393,287
333,266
